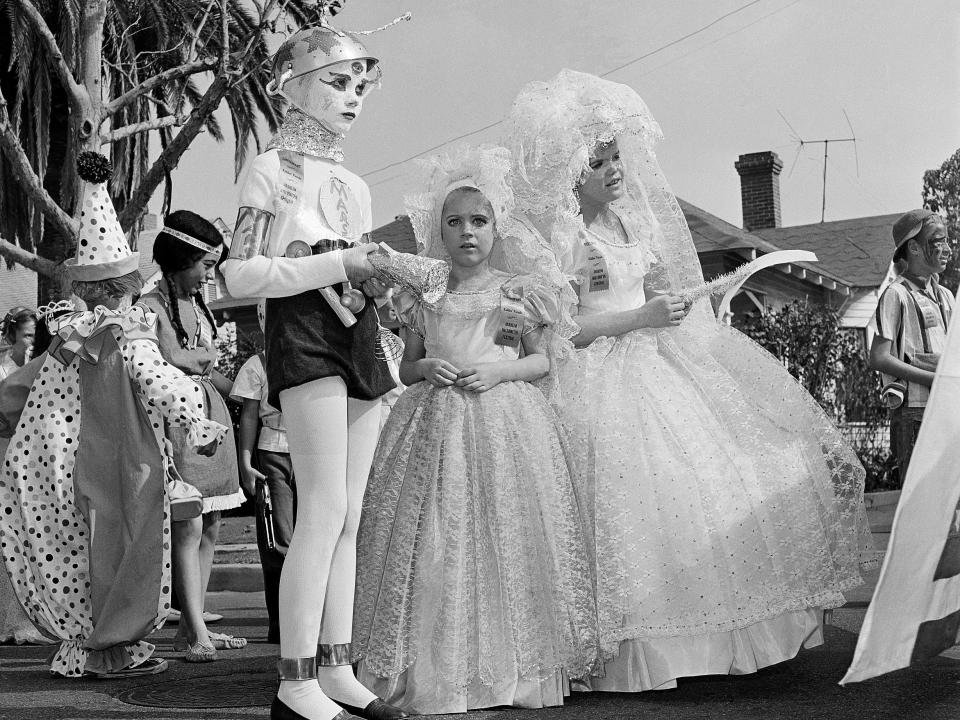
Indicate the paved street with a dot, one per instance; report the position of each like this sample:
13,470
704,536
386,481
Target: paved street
241,684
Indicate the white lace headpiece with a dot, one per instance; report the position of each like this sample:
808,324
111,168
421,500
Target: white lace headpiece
553,129
520,249
485,168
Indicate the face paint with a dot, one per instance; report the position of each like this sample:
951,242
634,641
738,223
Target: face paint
332,95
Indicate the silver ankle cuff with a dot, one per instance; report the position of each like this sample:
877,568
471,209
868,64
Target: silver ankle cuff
330,655
301,668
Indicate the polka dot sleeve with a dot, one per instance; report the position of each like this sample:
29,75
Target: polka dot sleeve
175,395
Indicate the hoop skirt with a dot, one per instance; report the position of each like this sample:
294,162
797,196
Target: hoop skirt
473,585
728,511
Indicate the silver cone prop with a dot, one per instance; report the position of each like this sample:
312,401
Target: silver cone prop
424,277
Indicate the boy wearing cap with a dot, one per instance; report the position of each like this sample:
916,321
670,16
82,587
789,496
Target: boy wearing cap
911,321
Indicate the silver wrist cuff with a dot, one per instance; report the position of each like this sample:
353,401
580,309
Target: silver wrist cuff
251,235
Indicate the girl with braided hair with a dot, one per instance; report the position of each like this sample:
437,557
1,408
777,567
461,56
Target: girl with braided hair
187,250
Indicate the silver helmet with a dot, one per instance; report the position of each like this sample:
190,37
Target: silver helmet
314,48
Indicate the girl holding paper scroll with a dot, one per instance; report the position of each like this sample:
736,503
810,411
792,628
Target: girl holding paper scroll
299,230
728,509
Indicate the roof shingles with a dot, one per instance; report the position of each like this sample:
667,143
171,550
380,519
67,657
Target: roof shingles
858,250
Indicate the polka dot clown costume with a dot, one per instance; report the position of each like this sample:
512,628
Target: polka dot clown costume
84,508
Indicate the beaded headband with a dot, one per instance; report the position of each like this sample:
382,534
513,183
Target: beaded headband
190,240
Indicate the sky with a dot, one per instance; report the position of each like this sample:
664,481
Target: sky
717,74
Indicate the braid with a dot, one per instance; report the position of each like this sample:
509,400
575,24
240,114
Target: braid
175,313
198,296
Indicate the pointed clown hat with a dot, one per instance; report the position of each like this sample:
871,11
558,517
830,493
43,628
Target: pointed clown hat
102,249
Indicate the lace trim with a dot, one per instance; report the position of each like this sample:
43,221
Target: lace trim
223,502
607,224
306,135
828,599
467,304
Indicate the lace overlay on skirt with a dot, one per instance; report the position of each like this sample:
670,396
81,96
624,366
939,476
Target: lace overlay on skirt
718,502
473,587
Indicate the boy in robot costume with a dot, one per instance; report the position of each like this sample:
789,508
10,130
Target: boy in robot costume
299,231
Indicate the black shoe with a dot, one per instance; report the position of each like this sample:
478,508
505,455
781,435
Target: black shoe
377,709
279,710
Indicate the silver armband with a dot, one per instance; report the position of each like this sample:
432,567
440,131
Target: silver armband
251,235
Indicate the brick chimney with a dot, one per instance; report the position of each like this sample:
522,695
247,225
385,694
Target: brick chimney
760,189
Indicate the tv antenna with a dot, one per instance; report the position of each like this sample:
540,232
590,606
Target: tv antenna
826,147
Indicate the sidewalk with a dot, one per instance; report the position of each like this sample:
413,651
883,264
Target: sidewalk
241,683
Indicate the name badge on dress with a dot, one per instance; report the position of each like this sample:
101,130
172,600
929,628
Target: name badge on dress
599,272
510,329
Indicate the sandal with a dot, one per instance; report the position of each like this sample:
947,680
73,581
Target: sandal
222,641
150,666
197,652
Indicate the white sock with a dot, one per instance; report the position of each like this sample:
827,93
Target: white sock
339,682
306,697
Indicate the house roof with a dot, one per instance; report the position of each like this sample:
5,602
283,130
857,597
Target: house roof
398,234
711,234
857,250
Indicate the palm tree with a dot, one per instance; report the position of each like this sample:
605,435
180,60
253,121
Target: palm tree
81,74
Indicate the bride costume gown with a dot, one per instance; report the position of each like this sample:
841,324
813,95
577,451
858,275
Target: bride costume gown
473,584
728,511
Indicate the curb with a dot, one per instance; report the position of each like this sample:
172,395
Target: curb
236,577
882,499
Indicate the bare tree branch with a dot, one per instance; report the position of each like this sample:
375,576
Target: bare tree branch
199,29
170,157
32,261
140,127
174,73
75,91
225,32
20,165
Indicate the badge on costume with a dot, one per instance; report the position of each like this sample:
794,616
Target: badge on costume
599,272
291,178
929,311
340,208
510,329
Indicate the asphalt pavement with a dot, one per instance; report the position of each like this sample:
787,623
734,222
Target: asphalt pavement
240,684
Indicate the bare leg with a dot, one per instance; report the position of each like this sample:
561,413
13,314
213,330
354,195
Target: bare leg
208,543
338,681
316,418
187,580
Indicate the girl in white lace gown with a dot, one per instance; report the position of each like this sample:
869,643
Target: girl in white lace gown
473,587
728,510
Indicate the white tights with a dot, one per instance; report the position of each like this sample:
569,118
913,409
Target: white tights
332,439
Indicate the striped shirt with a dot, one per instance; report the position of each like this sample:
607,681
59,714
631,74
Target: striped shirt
915,320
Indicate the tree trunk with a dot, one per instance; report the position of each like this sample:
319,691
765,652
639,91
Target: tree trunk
56,245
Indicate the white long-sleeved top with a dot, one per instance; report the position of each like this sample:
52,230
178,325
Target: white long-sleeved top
330,202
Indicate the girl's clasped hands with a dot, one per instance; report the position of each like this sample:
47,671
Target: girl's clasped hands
480,377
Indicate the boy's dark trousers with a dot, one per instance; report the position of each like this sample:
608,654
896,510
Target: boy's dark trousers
283,492
904,428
